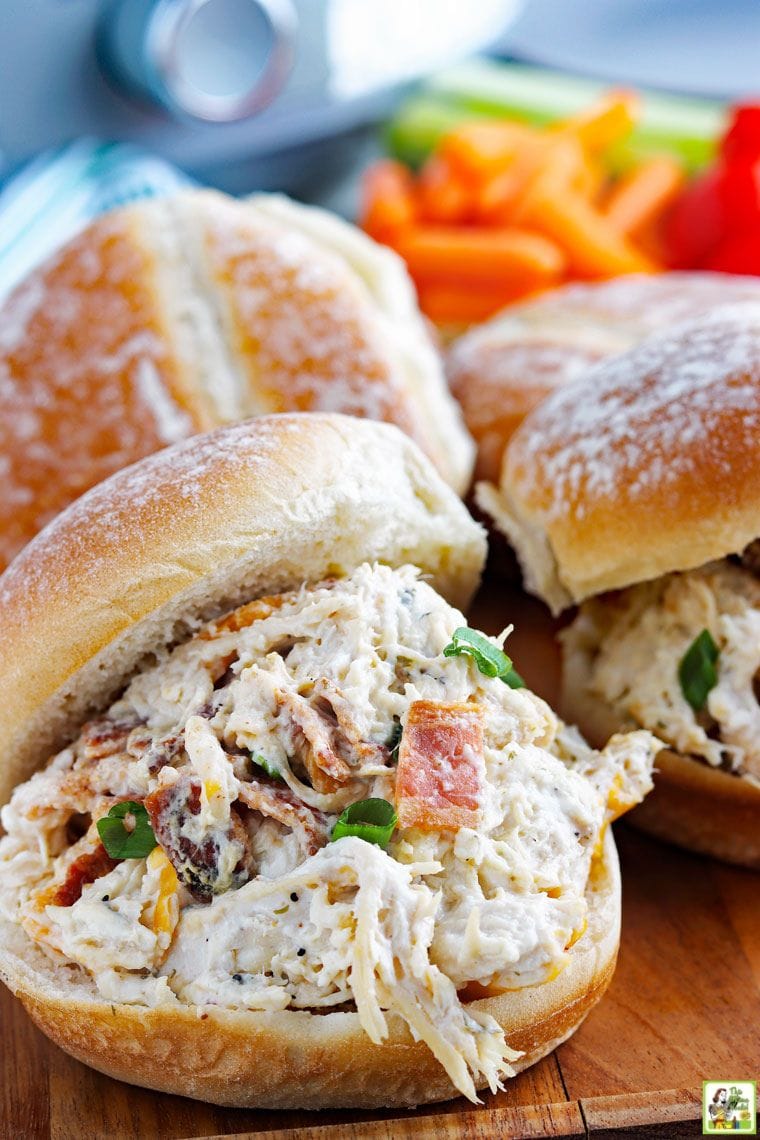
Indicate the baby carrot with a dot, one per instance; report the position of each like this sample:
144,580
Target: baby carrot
554,163
497,257
442,196
452,304
604,122
593,247
478,151
387,200
641,196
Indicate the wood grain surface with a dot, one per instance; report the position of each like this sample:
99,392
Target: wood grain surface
684,1006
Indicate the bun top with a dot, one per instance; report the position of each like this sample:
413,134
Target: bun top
143,558
176,315
646,465
500,370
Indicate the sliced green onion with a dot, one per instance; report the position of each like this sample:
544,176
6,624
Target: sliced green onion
121,843
372,820
697,672
267,765
513,679
490,660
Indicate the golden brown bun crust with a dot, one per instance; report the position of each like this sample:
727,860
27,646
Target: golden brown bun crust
174,316
501,370
254,508
645,466
295,1059
693,805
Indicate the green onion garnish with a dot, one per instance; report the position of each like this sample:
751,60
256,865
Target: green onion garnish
490,660
267,765
372,820
697,672
123,844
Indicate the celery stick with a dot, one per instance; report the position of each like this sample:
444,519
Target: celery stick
681,126
420,123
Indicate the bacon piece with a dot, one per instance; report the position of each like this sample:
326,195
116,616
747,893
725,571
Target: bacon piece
243,616
278,802
164,751
100,738
312,742
347,740
85,869
68,793
439,781
139,741
198,863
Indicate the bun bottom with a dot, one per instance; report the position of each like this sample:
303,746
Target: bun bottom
693,805
296,1059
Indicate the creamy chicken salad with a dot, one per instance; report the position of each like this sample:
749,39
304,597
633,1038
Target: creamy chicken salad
680,656
184,848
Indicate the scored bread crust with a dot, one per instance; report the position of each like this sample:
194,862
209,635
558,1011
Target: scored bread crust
646,465
294,1058
143,558
693,805
176,315
502,369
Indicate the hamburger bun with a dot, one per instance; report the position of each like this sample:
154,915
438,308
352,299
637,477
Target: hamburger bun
177,315
501,370
138,562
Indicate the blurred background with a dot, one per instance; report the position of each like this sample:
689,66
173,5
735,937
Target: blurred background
298,95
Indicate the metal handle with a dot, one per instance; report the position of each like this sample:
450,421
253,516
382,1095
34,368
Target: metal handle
214,60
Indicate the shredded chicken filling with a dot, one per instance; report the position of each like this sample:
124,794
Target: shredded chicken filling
634,641
244,745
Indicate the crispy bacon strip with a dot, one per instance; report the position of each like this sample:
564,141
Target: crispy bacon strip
243,616
70,795
439,781
165,751
198,865
85,869
104,737
278,802
312,737
347,740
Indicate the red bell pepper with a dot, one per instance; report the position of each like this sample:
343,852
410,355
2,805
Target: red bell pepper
715,224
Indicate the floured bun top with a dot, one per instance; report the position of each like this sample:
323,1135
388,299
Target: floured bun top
646,465
500,370
176,315
139,561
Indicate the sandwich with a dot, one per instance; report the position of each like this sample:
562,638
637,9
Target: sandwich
634,494
500,370
173,316
282,830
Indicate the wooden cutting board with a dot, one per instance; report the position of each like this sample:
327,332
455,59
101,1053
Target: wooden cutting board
684,1006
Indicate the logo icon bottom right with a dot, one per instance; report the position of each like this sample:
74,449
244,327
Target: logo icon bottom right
729,1106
